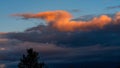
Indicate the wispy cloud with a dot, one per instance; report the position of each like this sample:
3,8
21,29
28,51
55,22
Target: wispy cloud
113,7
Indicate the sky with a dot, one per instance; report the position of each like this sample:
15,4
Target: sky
81,33
84,7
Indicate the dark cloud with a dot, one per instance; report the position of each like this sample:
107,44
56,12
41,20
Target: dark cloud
51,53
107,36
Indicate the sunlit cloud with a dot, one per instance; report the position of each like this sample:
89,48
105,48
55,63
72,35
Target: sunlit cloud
61,20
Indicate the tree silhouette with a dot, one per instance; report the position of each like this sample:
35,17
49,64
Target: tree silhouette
30,60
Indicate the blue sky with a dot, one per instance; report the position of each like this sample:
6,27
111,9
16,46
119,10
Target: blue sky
85,7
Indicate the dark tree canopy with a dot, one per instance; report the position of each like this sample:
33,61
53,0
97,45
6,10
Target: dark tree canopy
30,60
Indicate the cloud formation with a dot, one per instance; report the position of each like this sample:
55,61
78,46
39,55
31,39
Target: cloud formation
62,21
65,40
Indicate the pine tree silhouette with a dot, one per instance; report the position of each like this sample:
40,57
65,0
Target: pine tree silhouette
30,60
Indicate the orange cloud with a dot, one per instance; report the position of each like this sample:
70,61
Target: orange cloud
61,20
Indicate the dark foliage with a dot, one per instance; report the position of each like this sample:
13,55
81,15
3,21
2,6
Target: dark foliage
30,60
